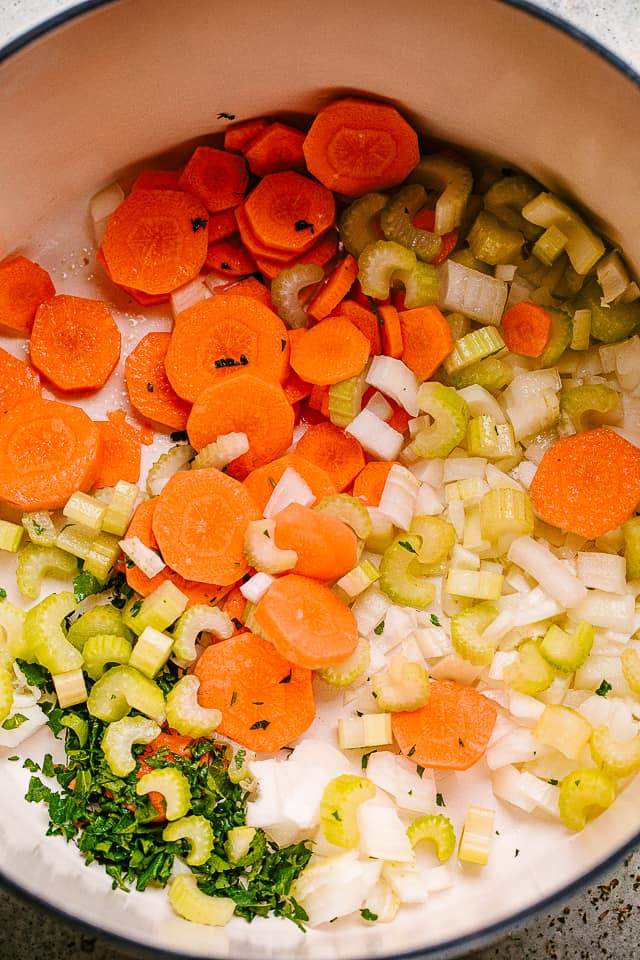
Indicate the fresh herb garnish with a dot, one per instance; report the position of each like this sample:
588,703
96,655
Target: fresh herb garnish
260,725
179,436
434,620
12,723
440,800
604,688
85,585
198,223
226,116
411,751
379,629
406,546
287,678
366,914
420,771
304,225
3,593
149,387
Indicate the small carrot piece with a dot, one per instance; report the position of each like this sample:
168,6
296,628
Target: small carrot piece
295,387
233,605
425,219
391,331
260,482
277,147
319,400
121,451
329,352
149,389
399,419
588,483
156,240
329,447
145,299
222,225
238,136
369,483
327,548
156,180
18,381
48,450
24,285
452,730
427,340
265,701
289,211
334,289
357,146
247,287
230,257
217,178
75,343
322,251
244,403
258,250
526,328
366,322
200,521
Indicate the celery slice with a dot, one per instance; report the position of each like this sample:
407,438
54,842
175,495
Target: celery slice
360,222
466,633
159,610
437,536
563,728
440,171
471,292
197,830
421,286
437,829
44,637
492,374
239,760
486,438
583,247
76,539
382,262
120,508
475,584
396,222
344,673
104,619
369,730
630,659
151,651
631,533
356,581
401,577
477,833
36,562
609,323
70,688
190,902
560,339
261,551
286,289
84,509
505,511
581,336
583,794
613,277
11,535
103,553
12,620
100,649
472,348
122,689
550,245
191,623
40,528
531,673
119,738
184,712
577,402
345,399
506,198
6,692
401,685
238,842
348,510
616,758
567,652
450,415
466,259
339,808
220,452
175,459
492,241
174,787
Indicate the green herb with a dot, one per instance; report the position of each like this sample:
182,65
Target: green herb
374,307
364,760
440,800
286,679
379,629
304,225
3,593
135,608
434,620
283,344
406,545
198,223
226,116
234,697
260,725
228,362
412,751
179,436
460,742
85,585
366,914
12,723
31,765
150,387
78,725
238,624
271,481
420,771
604,688
13,757
35,675
517,852
553,782
336,815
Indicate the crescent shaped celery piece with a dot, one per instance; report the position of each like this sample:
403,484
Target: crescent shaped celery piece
584,793
345,398
438,539
421,286
560,338
467,628
609,323
505,511
238,842
12,620
576,402
401,685
120,508
119,738
36,562
492,373
486,438
184,712
44,637
104,648
344,507
402,578
286,289
396,222
189,902
494,242
339,808
437,829
261,551
454,179
122,689
584,248
161,470
616,758
472,348
450,414
344,673
40,528
382,262
564,651
173,786
102,619
530,673
506,198
192,622
6,691
197,831
360,222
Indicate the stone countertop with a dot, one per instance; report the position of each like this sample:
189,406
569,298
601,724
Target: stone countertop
604,921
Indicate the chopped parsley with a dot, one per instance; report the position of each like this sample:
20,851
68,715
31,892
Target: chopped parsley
440,800
260,725
234,697
135,608
379,629
149,387
12,723
411,752
85,585
3,593
434,620
553,781
406,546
226,116
420,771
198,223
287,678
179,436
604,688
366,914
304,225
231,362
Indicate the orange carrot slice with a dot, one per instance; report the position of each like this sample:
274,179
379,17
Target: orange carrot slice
329,352
149,389
426,340
369,483
230,257
156,180
526,328
239,135
18,381
337,453
247,287
277,147
288,211
222,225
258,250
366,322
326,547
24,285
260,482
391,331
334,289
121,451
216,177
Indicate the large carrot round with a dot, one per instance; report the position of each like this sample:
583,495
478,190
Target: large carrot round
587,483
358,146
18,381
48,450
261,481
265,701
200,521
244,403
427,340
218,178
156,240
277,147
121,451
329,352
526,328
149,389
306,622
366,322
24,285
75,343
218,336
230,257
369,483
451,731
337,453
288,211
326,547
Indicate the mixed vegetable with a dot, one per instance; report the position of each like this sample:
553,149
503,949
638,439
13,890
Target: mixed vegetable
391,398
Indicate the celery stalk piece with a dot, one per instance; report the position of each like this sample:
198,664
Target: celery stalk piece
473,348
396,223
401,577
103,553
382,532
44,636
6,692
100,620
151,651
220,452
345,399
550,245
581,336
506,198
563,728
421,286
40,528
369,730
238,842
147,560
70,688
86,510
103,648
477,833
120,508
505,512
261,551
475,584
471,292
467,628
454,179
437,829
618,759
197,831
583,794
159,610
492,241
35,563
120,736
382,262
438,538
191,623
450,415
188,901
583,247
360,222
630,659
612,276
486,438
12,620
344,673
185,714
465,258
239,759
286,289
339,808
631,532
492,374
356,581
11,535
175,459
531,673
122,689
560,339
76,539
348,510
401,685
579,401
567,652
174,787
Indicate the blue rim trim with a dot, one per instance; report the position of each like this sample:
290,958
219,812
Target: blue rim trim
494,931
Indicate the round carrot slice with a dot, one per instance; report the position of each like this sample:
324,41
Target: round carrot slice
330,351
288,211
200,521
326,547
156,240
75,343
149,389
369,483
48,450
261,481
217,177
265,701
18,381
336,452
24,285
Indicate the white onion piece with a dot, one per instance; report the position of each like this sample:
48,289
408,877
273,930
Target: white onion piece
187,296
382,833
607,610
552,574
468,291
375,436
396,380
602,571
379,406
290,488
101,206
399,496
397,776
256,586
146,559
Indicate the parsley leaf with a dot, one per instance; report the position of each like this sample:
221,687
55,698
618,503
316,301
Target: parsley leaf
85,585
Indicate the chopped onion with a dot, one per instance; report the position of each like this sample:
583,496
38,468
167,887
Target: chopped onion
552,574
375,436
256,586
191,293
396,380
397,776
146,559
290,488
382,833
399,496
607,610
468,291
101,206
602,571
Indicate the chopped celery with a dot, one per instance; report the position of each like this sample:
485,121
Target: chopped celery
221,451
104,619
239,759
360,222
492,374
349,510
176,458
577,402
44,637
76,539
583,247
103,553
583,794
450,415
506,198
345,399
466,259
191,623
475,294
151,651
382,532
11,535
472,348
197,830
6,692
35,563
344,673
261,551
120,508
616,758
630,659
530,673
238,842
339,808
486,438
466,633
560,339
173,786
563,728
567,652
369,730
581,336
40,528
401,577
469,490
436,828
421,286
609,323
505,512
119,738
550,245
440,171
159,610
86,510
612,276
122,689
631,533
396,222
401,685
184,712
103,648
492,241
437,537
286,289
476,584
357,580
382,262
12,620
70,688
188,901
477,833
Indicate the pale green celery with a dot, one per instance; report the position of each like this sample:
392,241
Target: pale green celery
381,534
492,241
550,245
369,730
238,842
584,248
349,510
122,689
151,651
120,508
184,712
571,282
119,738
466,259
35,563
339,808
12,620
631,533
492,374
477,834
577,402
356,581
197,830
192,622
466,634
396,222
458,324
438,538
567,652
440,171
84,509
175,459
584,794
345,399
486,438
473,348
76,539
344,673
630,660
6,692
471,488
220,452
616,758
360,222
173,786
104,648
437,829
612,276
421,286
609,323
261,551
44,637
401,685
159,610
11,535
40,528
401,576
506,198
563,728
239,759
286,289
188,901
560,339
505,511
475,584
531,673
450,415
103,553
382,262
581,336
70,688
104,619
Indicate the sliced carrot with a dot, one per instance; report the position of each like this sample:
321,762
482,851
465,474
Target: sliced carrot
18,381
75,343
156,240
247,287
357,146
295,388
334,289
369,483
425,219
24,285
121,451
588,483
329,352
233,605
230,257
288,211
217,178
426,338
260,482
390,331
145,299
222,225
240,134
327,548
48,450
399,419
214,338
366,322
149,389
306,622
277,147
319,400
452,730
244,403
526,328
156,180
141,526
329,447
200,521
265,701
322,251
258,250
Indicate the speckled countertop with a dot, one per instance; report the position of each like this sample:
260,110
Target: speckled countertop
603,922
